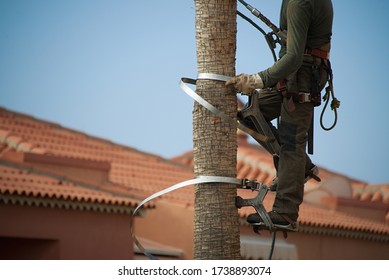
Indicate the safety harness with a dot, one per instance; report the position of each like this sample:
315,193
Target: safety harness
278,36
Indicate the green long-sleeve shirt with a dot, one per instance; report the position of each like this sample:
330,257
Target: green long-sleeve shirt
309,25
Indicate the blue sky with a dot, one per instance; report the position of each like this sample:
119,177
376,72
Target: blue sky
111,68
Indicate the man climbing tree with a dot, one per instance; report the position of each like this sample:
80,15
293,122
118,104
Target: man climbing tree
216,228
299,75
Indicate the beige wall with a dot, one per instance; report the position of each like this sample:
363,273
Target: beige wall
52,233
321,247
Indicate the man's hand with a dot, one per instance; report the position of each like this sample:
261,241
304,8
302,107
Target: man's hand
245,83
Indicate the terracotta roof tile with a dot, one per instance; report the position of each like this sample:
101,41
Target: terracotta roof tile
135,170
24,183
311,215
315,216
255,163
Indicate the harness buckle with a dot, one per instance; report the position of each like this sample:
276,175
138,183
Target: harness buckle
304,97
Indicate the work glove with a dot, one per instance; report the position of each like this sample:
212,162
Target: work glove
245,83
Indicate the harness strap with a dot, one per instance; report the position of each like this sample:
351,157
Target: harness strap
207,76
198,180
317,52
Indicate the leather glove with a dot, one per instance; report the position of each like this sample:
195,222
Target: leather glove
246,83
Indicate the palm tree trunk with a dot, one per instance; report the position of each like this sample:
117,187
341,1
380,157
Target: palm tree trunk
216,229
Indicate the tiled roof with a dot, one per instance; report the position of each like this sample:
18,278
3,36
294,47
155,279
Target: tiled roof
137,171
255,163
372,192
25,186
321,220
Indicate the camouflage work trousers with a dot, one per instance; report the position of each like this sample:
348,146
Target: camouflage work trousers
293,160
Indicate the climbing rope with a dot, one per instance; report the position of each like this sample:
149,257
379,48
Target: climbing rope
273,241
269,36
335,103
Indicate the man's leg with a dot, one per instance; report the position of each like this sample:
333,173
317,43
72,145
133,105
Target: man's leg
292,161
270,103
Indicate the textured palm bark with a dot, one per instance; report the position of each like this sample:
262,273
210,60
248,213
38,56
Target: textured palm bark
216,228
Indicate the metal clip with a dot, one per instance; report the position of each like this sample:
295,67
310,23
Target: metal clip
304,97
250,184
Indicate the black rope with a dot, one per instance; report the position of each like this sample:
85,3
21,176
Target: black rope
273,241
251,22
334,105
268,36
335,102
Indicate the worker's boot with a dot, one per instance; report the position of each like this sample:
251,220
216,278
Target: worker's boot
280,221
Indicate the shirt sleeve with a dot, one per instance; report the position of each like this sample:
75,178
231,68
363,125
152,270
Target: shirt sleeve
298,16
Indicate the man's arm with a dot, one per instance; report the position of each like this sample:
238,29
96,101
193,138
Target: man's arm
298,20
